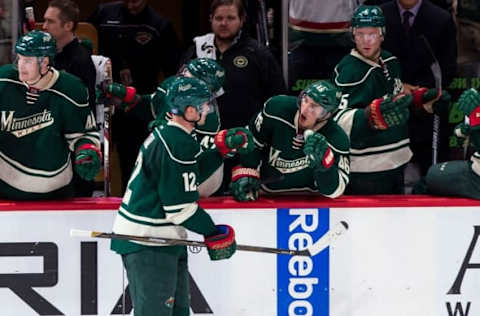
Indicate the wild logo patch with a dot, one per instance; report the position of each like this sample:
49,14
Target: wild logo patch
143,38
169,302
240,61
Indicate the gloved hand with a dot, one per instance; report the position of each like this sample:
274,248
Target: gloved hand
469,103
87,161
245,184
230,141
388,112
431,101
319,156
462,130
123,97
222,244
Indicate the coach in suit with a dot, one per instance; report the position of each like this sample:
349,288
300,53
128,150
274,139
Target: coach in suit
412,26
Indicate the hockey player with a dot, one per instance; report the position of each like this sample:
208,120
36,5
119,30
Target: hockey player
45,117
153,106
284,159
460,178
161,200
374,110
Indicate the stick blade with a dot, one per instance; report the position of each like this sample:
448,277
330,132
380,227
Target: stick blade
326,240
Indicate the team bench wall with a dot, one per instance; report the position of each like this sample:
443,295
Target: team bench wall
402,255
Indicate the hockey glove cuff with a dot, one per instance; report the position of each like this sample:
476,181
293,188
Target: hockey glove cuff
230,141
245,184
222,245
87,161
384,113
124,97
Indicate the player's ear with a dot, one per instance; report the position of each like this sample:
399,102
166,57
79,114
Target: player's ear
69,26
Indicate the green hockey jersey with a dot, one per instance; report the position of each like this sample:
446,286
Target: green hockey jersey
162,193
279,151
38,131
211,166
361,81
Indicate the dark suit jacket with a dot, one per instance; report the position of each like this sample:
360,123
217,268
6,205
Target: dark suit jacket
435,26
431,23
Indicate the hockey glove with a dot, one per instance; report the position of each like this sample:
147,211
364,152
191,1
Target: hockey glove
430,101
123,97
469,103
319,156
222,245
245,184
230,141
87,161
384,113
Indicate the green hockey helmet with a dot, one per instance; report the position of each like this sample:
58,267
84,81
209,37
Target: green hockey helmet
38,44
209,71
324,93
368,16
184,92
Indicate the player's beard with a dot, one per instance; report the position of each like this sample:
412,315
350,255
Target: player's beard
228,38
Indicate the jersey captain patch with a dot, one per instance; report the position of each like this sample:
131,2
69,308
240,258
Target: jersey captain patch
22,126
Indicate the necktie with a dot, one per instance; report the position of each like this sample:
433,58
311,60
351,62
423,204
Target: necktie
406,20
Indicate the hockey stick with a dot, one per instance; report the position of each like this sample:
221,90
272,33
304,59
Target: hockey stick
437,75
107,132
326,240
182,242
29,24
262,24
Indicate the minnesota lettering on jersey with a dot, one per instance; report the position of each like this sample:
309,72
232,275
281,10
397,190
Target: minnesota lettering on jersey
284,165
22,126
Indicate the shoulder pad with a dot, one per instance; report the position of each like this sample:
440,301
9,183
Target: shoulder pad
8,72
281,106
351,71
336,137
180,146
71,88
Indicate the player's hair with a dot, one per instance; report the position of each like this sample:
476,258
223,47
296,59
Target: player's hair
69,11
238,3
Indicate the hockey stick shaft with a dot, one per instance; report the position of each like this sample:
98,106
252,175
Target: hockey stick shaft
437,75
29,16
182,242
107,136
263,22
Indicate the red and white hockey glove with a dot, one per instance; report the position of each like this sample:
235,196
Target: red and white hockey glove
245,184
87,161
230,141
384,113
431,100
123,97
222,245
469,103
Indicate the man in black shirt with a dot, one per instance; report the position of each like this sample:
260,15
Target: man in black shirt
142,46
61,19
